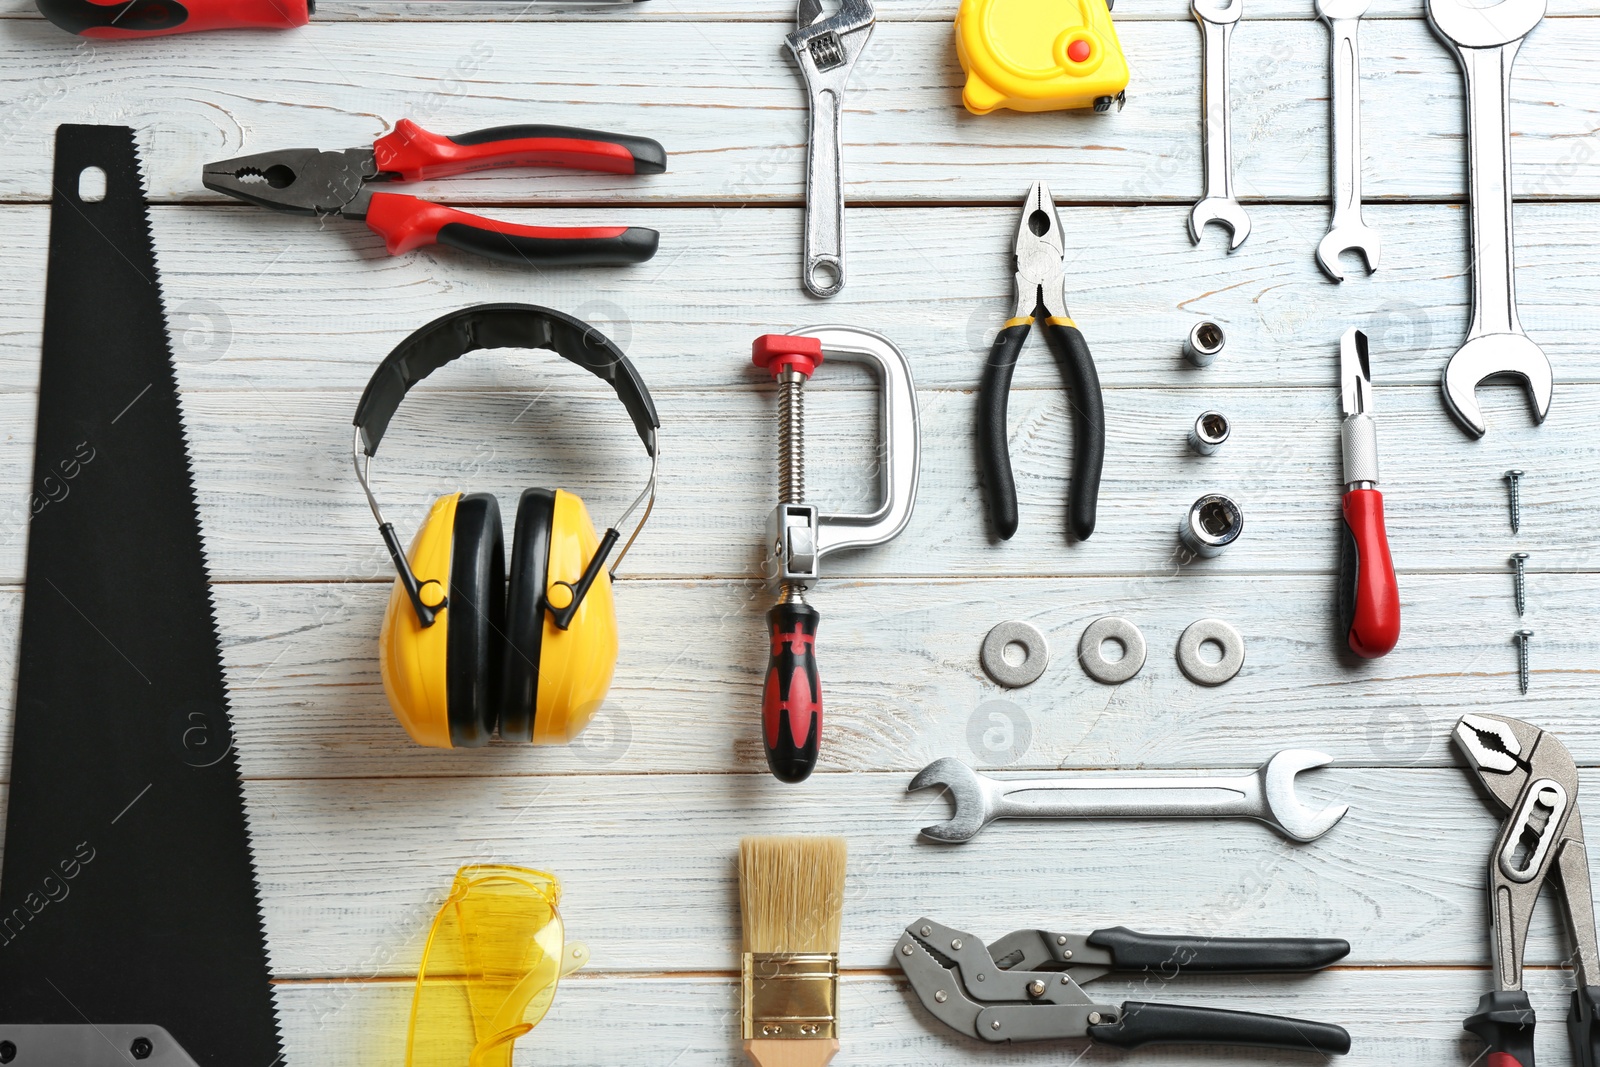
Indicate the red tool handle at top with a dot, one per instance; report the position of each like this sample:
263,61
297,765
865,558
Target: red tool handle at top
1369,596
791,700
157,18
412,154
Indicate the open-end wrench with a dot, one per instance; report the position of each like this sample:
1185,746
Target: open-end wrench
1347,232
827,50
1218,204
1486,40
1266,796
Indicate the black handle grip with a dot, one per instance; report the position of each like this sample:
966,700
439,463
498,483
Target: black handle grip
635,244
1143,1023
1504,1020
994,451
1132,951
791,700
1581,1028
1088,424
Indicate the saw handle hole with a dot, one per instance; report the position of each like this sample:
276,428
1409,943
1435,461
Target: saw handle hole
91,190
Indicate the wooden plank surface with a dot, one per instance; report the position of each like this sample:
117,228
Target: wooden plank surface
277,323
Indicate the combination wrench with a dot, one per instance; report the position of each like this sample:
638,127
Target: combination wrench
1347,232
826,50
1486,40
1266,795
1218,204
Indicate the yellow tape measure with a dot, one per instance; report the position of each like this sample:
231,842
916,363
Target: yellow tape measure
1039,55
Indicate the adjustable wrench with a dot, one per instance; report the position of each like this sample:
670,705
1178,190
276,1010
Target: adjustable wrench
1218,204
1486,40
1347,232
827,50
1266,795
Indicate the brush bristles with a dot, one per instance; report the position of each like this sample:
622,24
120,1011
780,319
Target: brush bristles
791,893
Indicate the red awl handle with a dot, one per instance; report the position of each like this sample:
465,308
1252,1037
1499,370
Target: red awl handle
157,18
1369,597
791,701
408,222
413,154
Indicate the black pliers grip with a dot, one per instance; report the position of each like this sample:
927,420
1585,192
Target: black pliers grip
1088,423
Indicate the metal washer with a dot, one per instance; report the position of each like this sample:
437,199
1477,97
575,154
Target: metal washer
1117,629
1198,670
1035,654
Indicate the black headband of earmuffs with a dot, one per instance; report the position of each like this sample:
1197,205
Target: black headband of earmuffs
452,336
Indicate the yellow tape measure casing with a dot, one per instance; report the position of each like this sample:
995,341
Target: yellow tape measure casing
1038,55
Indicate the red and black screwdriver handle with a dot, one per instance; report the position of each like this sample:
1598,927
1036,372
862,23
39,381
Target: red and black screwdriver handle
157,18
1505,1020
1369,596
1088,424
411,153
791,700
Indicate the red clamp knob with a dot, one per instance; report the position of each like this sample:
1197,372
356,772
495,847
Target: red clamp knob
778,352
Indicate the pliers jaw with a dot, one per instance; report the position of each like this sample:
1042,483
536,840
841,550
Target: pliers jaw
1039,249
302,181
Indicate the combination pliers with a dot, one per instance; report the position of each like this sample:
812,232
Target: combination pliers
1041,284
348,183
1529,775
1028,986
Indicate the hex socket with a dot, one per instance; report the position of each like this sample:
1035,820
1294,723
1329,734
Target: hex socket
1203,344
1209,432
1213,523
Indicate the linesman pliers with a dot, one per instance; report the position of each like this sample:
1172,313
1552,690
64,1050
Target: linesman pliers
1529,775
306,181
1041,283
1027,986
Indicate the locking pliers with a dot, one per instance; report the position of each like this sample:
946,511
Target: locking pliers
1529,775
1028,986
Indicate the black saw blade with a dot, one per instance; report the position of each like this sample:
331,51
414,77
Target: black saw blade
127,894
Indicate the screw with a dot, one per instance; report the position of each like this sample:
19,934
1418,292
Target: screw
1094,1018
927,931
1036,988
1518,563
905,950
941,996
1515,478
1523,637
995,1025
955,943
1061,939
141,1048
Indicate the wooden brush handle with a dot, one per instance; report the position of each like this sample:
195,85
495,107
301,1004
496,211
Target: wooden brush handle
789,1052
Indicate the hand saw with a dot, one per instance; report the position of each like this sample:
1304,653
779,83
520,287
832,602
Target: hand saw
130,925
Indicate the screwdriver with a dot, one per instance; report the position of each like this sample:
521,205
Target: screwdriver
1369,597
158,18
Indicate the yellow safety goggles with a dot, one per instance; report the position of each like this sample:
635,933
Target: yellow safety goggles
489,970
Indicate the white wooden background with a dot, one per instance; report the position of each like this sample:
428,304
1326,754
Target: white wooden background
277,325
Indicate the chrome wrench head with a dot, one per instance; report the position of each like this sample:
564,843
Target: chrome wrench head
1223,209
1328,10
1348,237
1471,26
1294,818
1496,355
971,793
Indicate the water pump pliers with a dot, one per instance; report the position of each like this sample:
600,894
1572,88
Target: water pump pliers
1028,986
1530,777
1041,284
306,181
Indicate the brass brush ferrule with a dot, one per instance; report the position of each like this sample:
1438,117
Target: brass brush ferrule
790,994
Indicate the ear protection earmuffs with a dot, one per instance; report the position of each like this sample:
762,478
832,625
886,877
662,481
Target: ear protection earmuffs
469,644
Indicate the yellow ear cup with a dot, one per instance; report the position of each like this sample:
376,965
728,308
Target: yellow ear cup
576,664
411,658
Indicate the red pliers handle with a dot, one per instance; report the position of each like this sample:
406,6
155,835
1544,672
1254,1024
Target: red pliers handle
157,18
411,153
